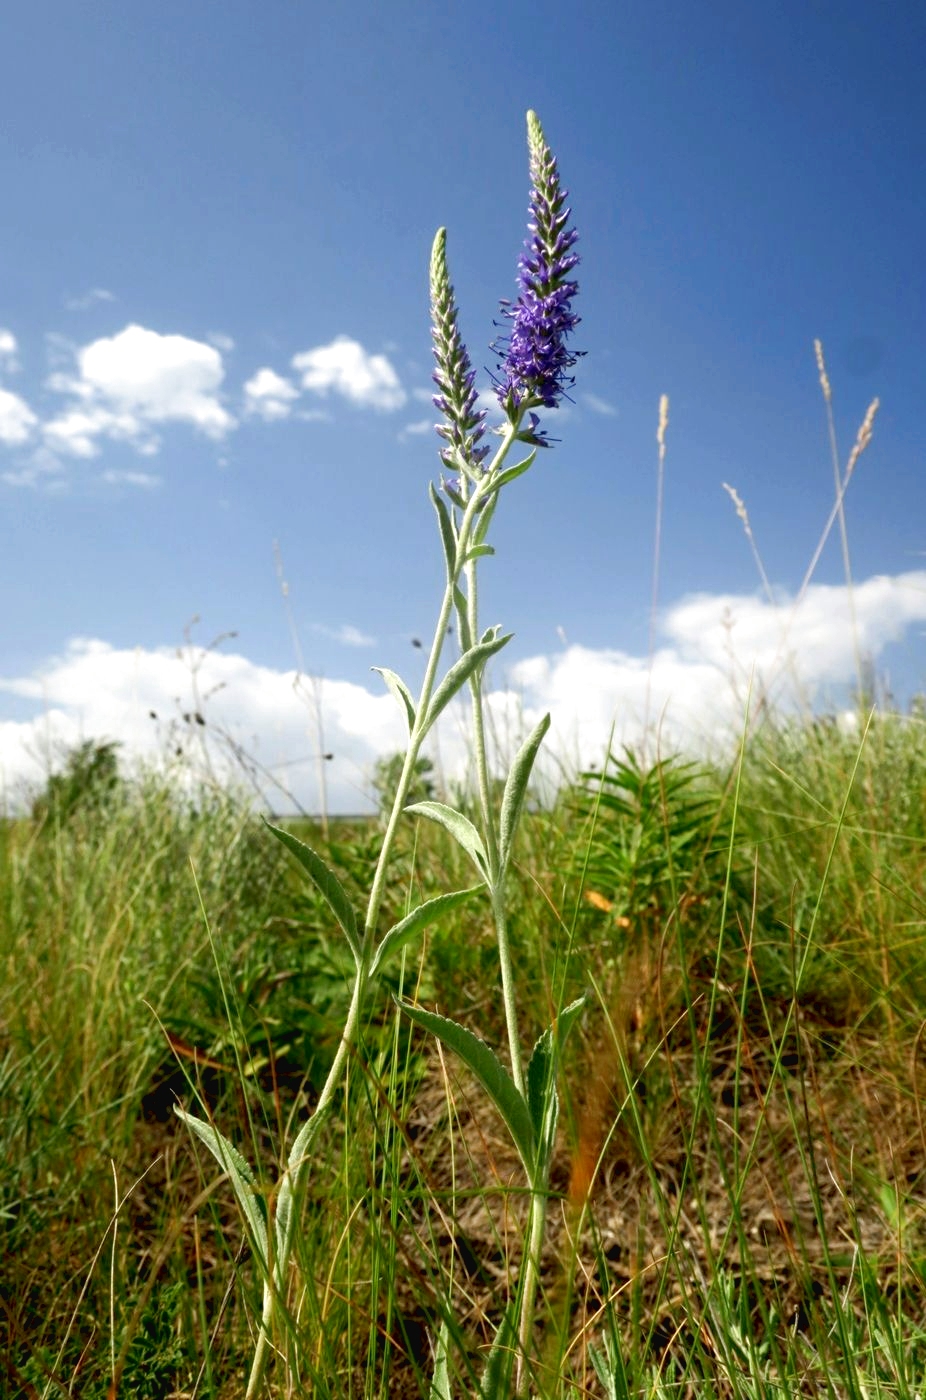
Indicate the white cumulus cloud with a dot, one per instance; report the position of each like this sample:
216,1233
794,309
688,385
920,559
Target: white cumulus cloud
16,419
712,649
98,691
269,395
345,368
77,431
8,349
811,637
127,384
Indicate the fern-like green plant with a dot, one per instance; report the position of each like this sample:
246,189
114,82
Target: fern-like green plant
657,837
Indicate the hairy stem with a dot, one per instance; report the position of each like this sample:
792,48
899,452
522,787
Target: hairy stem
538,1221
274,1284
497,889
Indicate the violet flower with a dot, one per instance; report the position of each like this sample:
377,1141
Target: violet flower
455,377
535,370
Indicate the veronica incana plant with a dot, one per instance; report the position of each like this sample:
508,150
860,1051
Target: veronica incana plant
533,373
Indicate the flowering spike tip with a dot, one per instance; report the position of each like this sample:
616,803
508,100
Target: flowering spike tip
534,370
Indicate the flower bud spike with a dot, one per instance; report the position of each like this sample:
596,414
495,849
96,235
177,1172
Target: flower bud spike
464,424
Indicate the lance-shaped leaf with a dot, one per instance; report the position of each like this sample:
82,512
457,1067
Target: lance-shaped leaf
459,602
452,494
478,551
460,672
518,469
440,1377
542,1096
239,1172
400,690
327,884
515,788
417,920
284,1216
482,1060
447,533
496,1378
460,828
610,1369
485,518
541,1084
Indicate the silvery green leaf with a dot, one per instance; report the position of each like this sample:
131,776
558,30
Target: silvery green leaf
447,533
541,1082
240,1175
496,1378
418,919
610,1369
459,602
327,884
453,495
283,1218
460,828
519,468
478,551
542,1095
567,1019
401,692
299,1152
482,1060
516,786
485,519
440,1379
460,672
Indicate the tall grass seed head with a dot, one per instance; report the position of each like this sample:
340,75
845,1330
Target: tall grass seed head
535,369
464,423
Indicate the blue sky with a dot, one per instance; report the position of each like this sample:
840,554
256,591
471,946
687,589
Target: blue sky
214,337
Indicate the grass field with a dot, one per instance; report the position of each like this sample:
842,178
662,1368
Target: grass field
738,1190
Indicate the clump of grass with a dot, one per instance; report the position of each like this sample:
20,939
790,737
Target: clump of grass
111,1000
754,1219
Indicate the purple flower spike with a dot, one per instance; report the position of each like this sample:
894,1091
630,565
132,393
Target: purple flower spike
455,377
535,370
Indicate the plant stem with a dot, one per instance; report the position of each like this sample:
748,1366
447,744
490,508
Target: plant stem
497,887
506,968
538,1221
298,1158
539,1175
